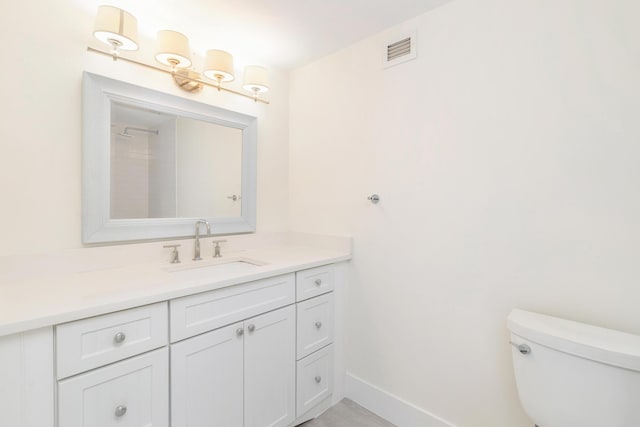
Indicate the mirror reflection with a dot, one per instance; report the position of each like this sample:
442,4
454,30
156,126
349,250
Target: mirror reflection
167,166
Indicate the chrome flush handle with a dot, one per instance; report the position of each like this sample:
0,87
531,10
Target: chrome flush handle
522,348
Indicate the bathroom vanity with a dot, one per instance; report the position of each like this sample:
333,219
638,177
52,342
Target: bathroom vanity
215,343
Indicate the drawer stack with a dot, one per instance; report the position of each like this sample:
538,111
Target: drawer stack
314,352
114,369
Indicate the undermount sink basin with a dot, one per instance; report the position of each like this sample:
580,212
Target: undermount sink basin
195,270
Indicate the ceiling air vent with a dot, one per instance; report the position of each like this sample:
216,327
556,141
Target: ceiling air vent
400,49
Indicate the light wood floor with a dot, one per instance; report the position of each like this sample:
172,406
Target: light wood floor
348,414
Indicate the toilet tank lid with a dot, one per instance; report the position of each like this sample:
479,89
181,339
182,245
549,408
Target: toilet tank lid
580,339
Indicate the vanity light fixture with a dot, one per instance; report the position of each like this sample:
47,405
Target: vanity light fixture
218,66
173,49
119,29
255,80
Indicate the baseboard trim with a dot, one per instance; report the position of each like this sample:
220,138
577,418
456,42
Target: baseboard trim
390,407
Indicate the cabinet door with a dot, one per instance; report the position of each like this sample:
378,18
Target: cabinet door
207,379
269,358
131,393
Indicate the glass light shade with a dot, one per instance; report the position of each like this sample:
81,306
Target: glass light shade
117,28
255,79
218,64
173,49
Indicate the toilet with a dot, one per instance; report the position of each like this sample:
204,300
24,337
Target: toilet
571,374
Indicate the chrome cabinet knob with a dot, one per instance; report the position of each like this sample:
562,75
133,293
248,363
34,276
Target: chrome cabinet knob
121,410
318,325
251,327
318,282
239,332
318,379
119,338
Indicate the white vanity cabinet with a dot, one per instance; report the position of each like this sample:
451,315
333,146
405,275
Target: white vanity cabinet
239,375
254,354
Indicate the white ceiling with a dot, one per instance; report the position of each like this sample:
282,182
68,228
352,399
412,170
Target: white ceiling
277,33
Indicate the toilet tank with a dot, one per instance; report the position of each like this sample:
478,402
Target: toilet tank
574,374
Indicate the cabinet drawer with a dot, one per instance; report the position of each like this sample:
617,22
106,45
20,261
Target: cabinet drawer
89,343
314,379
195,314
131,393
313,282
315,324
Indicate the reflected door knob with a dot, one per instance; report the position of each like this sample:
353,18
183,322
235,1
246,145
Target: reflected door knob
318,379
318,325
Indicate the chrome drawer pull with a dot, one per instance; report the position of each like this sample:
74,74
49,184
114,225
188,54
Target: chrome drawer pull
318,325
251,327
318,282
239,332
121,410
118,339
318,379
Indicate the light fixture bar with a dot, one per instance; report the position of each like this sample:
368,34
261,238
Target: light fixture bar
133,61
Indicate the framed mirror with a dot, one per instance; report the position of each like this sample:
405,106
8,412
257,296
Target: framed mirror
154,163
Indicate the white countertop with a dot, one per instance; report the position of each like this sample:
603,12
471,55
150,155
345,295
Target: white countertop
44,301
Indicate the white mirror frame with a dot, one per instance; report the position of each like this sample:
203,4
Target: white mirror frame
97,225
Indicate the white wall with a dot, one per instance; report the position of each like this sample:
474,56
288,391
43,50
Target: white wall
506,157
40,129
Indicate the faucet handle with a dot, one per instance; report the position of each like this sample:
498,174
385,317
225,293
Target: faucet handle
175,255
216,249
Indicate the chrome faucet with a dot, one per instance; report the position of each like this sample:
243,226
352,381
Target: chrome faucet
196,249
